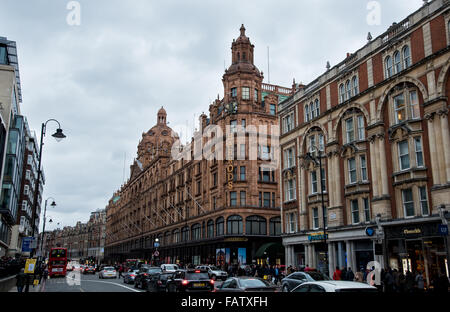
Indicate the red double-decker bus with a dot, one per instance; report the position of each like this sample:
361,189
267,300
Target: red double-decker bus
57,262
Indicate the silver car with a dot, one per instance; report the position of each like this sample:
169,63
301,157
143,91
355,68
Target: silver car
108,272
128,278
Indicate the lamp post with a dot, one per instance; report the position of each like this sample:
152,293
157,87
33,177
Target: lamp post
318,160
58,135
53,204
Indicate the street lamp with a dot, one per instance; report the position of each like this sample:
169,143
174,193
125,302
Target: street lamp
53,204
58,135
317,160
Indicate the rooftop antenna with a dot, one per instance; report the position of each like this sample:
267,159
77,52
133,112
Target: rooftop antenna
268,65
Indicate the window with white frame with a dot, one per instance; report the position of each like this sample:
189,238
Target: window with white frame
363,164
306,113
355,85
406,105
315,215
366,209
403,155
291,223
289,190
348,89
313,175
323,182
26,189
423,200
321,142
234,92
245,93
419,152
289,158
349,130
397,62
414,104
408,202
355,211
352,170
317,108
388,66
288,123
233,126
24,205
341,93
361,132
406,56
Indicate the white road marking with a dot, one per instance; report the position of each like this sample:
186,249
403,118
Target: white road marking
112,284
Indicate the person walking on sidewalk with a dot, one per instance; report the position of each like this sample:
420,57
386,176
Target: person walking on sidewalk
22,279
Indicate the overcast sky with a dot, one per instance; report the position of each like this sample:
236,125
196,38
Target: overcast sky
105,79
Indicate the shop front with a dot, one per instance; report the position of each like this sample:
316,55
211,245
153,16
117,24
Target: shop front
417,248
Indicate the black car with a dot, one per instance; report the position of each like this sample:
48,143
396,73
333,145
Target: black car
190,280
246,283
144,274
158,281
297,278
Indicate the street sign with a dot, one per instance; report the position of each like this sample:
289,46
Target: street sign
28,244
156,244
156,253
30,265
370,231
443,229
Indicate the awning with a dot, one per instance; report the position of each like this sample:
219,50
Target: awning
269,248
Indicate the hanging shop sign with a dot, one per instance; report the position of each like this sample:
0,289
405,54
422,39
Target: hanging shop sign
230,169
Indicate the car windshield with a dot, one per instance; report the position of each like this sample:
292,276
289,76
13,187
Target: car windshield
153,270
57,262
248,283
171,267
317,276
109,269
214,268
196,276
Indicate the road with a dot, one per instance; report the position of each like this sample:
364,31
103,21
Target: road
77,282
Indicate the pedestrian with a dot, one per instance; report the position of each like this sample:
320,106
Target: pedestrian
344,274
22,280
401,282
120,271
350,275
388,281
409,281
337,274
420,283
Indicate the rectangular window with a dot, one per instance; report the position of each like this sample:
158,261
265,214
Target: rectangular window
315,218
324,179
273,200
233,126
366,209
313,182
242,174
321,143
325,216
214,202
352,170
292,222
419,153
289,158
403,154
363,168
273,109
288,123
260,199
233,92
242,153
255,95
215,179
408,203
361,135
289,190
312,145
414,104
306,113
245,93
266,199
243,198
399,108
350,130
423,200
355,211
233,199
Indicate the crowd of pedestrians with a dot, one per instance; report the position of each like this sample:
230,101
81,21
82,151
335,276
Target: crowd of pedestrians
10,266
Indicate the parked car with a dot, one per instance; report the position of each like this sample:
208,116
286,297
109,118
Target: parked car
246,283
297,278
158,281
334,286
214,272
128,277
169,267
190,280
145,272
88,270
108,272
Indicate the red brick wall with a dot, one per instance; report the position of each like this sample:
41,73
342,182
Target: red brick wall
334,94
377,65
438,34
363,81
417,47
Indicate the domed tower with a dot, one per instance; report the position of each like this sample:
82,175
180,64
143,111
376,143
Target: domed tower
242,80
157,141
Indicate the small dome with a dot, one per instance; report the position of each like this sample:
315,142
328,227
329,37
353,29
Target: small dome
162,111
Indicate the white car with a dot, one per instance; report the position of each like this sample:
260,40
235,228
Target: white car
214,272
169,267
108,272
334,286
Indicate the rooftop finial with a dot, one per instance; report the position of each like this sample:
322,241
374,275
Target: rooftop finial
328,65
242,30
369,36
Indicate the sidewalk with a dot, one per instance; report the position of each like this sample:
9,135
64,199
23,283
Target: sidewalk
32,288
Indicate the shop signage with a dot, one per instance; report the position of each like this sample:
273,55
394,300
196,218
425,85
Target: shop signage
235,239
370,231
230,168
430,229
317,236
443,229
412,231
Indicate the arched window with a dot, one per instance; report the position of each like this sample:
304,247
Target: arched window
348,90
355,85
219,226
397,62
210,229
167,238
388,66
306,113
234,225
406,57
275,226
196,233
176,236
342,93
185,234
255,225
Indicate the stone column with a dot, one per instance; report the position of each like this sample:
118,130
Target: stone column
313,256
383,167
331,259
439,149
445,141
286,255
307,255
373,168
338,199
331,181
340,254
432,146
348,249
